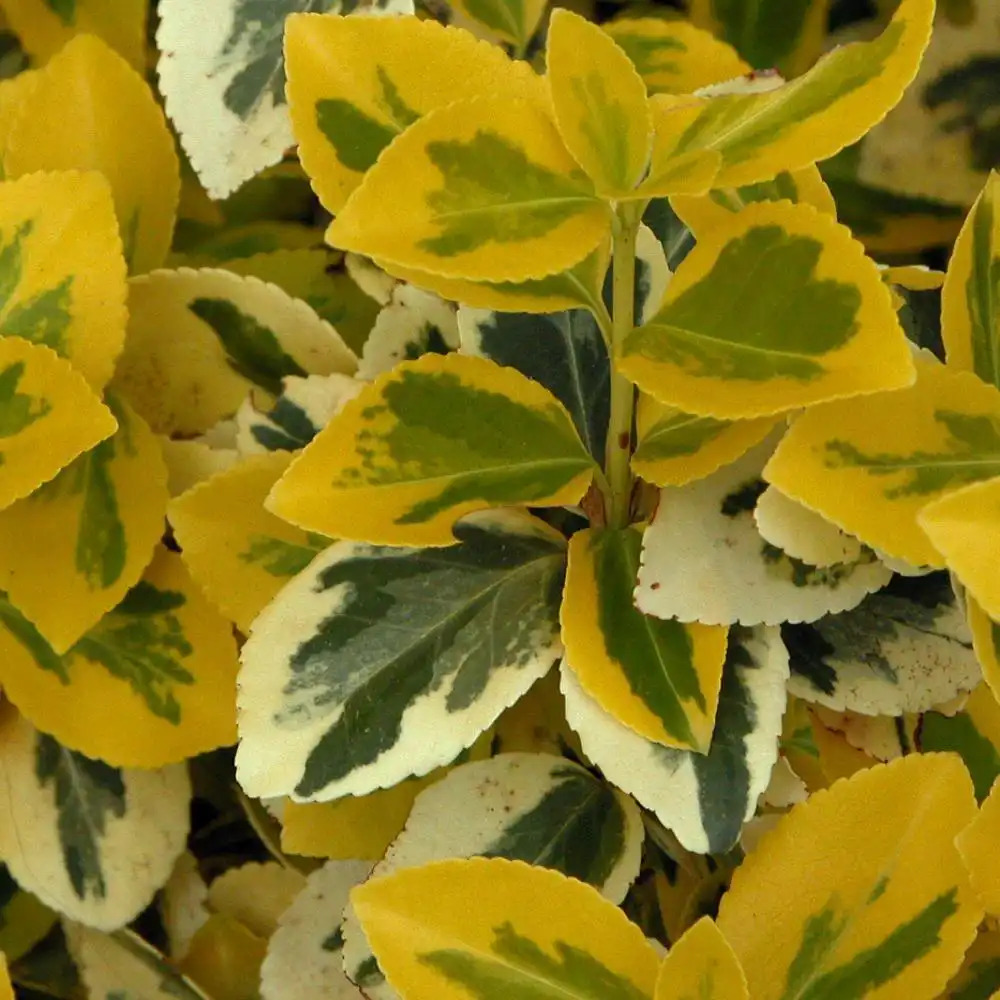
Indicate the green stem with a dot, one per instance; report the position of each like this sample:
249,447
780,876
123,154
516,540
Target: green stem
619,445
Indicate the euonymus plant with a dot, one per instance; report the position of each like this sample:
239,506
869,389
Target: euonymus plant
544,453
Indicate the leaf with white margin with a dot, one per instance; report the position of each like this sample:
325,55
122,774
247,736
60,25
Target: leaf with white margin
199,339
802,533
703,798
377,663
122,966
182,904
536,808
304,957
299,413
906,648
565,351
704,559
92,841
413,323
222,73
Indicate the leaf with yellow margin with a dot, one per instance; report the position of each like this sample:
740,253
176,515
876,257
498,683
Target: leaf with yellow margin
514,21
45,26
48,416
985,642
388,73
778,308
964,526
674,57
873,463
90,110
979,975
482,937
658,677
64,275
427,443
703,213
676,447
839,899
240,554
808,119
701,965
101,519
600,103
162,665
970,300
977,846
13,92
481,189
786,35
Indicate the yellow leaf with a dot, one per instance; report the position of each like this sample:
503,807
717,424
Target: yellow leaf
702,964
13,93
224,959
480,189
759,134
913,277
388,72
600,103
986,642
240,554
498,928
964,526
89,110
970,312
427,443
44,27
48,416
815,322
676,447
703,213
977,844
658,677
674,57
162,665
64,275
980,971
6,989
256,894
871,464
839,900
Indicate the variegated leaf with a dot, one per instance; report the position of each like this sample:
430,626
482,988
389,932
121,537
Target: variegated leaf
759,134
801,533
386,75
48,416
226,333
980,972
964,527
412,324
673,56
977,846
535,808
305,953
658,677
193,461
481,937
600,104
92,841
101,519
970,301
43,27
123,966
704,559
90,110
379,663
289,422
513,21
815,323
875,916
775,34
871,464
702,964
427,443
481,189
162,664
985,641
240,554
703,798
63,272
906,648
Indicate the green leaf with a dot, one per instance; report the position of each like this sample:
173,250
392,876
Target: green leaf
385,645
